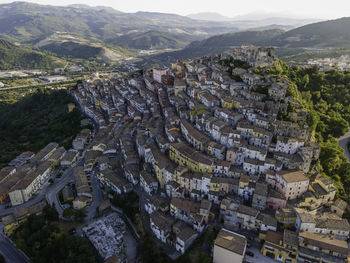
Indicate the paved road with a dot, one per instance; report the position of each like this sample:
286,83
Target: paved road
343,142
97,196
36,199
52,191
10,252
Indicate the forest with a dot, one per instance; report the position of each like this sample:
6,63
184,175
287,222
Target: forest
35,120
326,97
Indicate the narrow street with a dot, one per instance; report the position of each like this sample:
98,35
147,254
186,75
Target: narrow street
52,193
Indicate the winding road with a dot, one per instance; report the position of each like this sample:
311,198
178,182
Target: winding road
10,252
343,142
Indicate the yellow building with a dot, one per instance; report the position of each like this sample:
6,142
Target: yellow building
327,185
13,221
320,192
185,155
179,171
321,248
11,224
286,216
280,246
227,102
81,201
229,247
243,181
165,170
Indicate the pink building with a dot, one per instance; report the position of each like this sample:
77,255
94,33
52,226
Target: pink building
158,73
231,155
276,200
290,183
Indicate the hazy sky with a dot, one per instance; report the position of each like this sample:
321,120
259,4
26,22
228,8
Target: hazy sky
304,8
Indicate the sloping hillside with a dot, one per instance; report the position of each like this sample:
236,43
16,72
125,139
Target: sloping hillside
333,33
73,49
27,22
152,40
12,56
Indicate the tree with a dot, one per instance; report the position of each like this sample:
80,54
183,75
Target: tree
68,213
50,213
43,242
79,215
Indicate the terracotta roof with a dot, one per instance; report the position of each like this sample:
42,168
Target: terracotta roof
186,233
332,223
325,242
231,241
274,237
247,210
292,176
188,206
162,221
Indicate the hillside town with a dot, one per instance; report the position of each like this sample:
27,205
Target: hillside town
341,63
204,142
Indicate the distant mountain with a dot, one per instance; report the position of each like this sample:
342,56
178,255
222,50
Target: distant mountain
153,39
226,41
256,19
30,23
332,33
12,56
209,16
315,40
83,6
272,26
217,44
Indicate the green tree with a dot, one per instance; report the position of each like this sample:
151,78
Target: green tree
68,213
50,213
79,215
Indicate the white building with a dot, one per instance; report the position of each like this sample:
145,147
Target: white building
288,145
158,73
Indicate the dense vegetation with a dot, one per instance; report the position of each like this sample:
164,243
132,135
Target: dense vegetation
42,241
326,97
152,40
72,49
12,56
129,203
34,121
